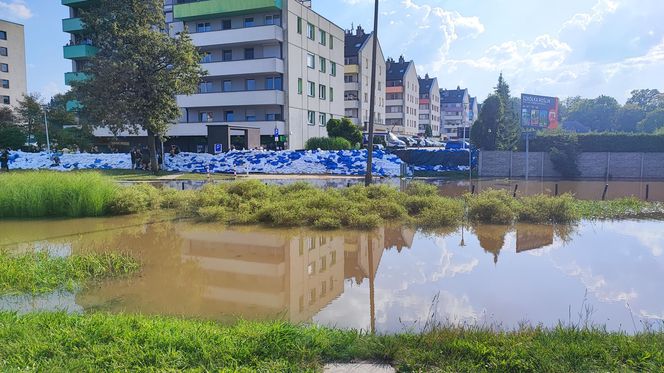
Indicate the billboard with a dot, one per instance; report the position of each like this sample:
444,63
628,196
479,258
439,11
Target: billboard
539,112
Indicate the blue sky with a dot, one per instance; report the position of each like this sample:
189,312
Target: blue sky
562,48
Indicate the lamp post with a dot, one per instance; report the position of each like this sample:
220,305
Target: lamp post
48,141
372,101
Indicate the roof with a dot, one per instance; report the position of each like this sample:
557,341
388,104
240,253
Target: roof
454,96
355,41
397,69
425,84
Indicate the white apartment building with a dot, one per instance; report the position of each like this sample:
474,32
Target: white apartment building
275,67
454,105
429,106
402,97
357,77
13,81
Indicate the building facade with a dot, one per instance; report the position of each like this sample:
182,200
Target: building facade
358,54
275,73
454,105
12,63
429,115
402,97
473,110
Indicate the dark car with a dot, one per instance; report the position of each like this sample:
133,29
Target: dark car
456,145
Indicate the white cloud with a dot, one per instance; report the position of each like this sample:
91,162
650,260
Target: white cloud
51,89
16,9
596,15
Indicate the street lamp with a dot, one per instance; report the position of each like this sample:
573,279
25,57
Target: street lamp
48,141
372,101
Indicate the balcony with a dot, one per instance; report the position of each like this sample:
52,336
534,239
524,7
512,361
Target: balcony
72,25
352,104
352,69
73,105
192,9
75,77
352,86
79,52
244,67
266,127
76,3
238,98
200,129
259,34
397,89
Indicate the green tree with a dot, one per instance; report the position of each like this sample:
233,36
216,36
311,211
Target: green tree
484,132
346,129
509,127
138,69
647,99
599,114
31,116
628,118
652,122
428,132
11,135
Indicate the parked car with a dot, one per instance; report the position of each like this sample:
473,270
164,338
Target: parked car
388,140
408,140
455,145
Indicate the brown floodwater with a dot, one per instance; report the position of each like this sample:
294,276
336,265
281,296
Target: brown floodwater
388,280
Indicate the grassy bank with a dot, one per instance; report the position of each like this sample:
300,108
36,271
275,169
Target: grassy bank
39,273
99,342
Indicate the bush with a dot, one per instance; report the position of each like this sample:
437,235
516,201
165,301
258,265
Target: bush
327,143
212,214
345,129
135,199
421,189
441,212
542,209
492,207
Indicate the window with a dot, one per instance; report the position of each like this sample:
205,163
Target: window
203,27
3,35
312,89
274,19
251,84
311,61
229,116
322,119
227,86
206,57
273,83
3,51
6,100
4,67
331,42
205,87
205,117
249,53
226,24
299,25
323,37
311,117
227,55
322,92
333,68
331,94
5,83
249,22
311,31
323,64
299,86
251,116
273,116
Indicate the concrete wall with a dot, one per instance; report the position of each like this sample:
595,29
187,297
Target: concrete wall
591,165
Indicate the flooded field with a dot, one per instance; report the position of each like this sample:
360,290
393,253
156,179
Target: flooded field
388,280
586,190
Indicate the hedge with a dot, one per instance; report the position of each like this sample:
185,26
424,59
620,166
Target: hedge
327,143
599,142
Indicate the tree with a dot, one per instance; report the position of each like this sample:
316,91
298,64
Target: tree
598,114
509,126
428,132
484,132
138,69
628,118
647,99
653,122
11,135
346,129
31,117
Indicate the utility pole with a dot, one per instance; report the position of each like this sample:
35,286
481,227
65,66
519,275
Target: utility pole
372,101
48,141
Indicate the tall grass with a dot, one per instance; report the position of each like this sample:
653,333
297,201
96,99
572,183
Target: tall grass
101,342
52,194
38,272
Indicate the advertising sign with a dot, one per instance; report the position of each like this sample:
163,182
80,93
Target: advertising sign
217,148
539,112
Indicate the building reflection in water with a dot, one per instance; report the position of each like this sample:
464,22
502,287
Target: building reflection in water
528,237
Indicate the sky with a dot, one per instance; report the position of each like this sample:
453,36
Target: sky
560,48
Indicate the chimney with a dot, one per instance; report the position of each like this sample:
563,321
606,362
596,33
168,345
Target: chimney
360,31
401,59
426,76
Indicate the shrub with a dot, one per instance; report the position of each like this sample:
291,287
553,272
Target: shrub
493,207
388,209
421,189
328,143
136,198
345,129
542,209
212,214
440,212
328,223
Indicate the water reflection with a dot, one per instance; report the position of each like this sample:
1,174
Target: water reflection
385,280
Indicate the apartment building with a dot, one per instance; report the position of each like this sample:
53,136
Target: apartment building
402,97
12,63
429,106
358,54
454,105
274,73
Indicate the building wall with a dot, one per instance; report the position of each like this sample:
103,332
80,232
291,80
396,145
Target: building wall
430,110
454,116
364,84
591,165
407,120
15,60
299,105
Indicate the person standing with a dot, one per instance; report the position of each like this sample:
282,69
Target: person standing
4,160
133,158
